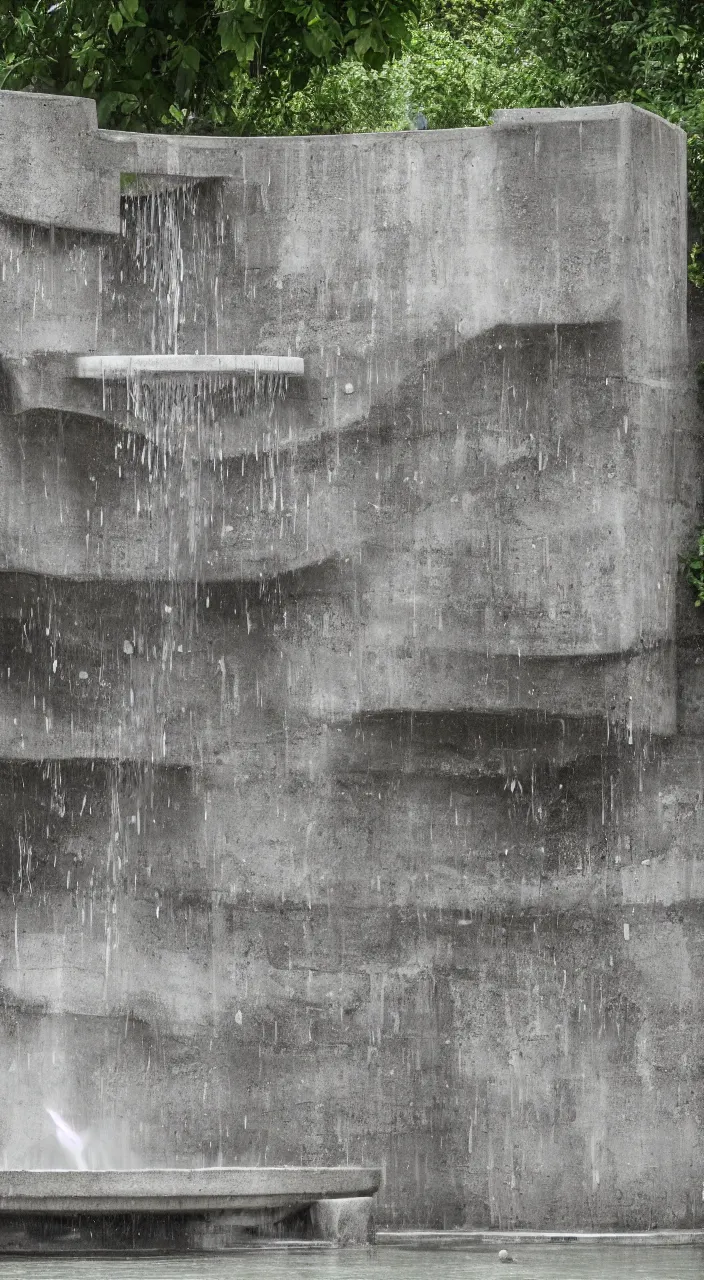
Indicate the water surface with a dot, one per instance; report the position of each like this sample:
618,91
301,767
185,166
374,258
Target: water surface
532,1262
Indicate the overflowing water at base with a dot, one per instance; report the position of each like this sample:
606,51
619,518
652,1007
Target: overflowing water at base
532,1262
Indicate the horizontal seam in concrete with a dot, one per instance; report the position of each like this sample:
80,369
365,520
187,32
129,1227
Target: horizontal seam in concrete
664,1237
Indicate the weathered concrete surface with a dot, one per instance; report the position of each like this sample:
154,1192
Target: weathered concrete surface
178,1190
460,1002
339,812
411,1238
51,170
492,377
71,1191
186,676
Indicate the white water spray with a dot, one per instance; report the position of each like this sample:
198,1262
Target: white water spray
68,1139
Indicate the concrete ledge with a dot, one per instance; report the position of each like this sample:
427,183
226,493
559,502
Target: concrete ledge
108,367
464,1239
516,117
179,1191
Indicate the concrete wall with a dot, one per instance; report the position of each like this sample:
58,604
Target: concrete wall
344,815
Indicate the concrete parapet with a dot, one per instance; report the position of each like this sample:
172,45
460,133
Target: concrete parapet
50,165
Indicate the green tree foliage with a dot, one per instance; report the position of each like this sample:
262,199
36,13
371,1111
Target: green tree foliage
466,58
313,66
171,64
693,566
593,51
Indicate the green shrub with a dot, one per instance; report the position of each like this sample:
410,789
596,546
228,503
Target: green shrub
693,566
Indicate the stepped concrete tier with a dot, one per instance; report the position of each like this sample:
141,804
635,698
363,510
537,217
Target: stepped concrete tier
481,451
74,1211
281,1190
342,813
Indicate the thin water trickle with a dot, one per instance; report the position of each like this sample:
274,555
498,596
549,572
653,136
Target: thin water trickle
181,430
151,228
184,415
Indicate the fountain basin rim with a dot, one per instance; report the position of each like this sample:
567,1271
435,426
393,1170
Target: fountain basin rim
111,368
180,1190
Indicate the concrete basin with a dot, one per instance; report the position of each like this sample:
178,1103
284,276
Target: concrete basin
182,1210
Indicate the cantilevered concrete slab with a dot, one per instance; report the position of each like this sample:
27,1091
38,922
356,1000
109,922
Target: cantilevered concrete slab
184,366
182,1210
180,1191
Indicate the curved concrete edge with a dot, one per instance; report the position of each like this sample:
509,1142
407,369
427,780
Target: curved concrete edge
59,169
459,1239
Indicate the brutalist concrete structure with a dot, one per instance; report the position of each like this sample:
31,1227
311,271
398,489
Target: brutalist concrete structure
205,1210
345,816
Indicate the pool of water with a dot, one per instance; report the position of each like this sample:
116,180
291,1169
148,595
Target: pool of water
532,1262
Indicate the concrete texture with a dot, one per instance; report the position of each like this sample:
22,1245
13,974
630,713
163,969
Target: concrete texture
51,172
182,1210
484,435
410,1239
179,1190
342,810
